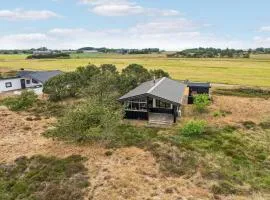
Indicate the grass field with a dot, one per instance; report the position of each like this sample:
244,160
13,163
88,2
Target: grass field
250,72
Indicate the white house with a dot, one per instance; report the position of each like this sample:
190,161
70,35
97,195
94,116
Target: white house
27,79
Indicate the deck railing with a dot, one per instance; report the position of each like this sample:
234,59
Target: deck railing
161,110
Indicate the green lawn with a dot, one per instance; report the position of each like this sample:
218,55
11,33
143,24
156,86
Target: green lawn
252,72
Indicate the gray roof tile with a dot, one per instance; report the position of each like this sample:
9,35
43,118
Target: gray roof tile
164,88
41,76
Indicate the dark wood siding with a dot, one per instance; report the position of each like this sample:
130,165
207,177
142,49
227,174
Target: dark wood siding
136,115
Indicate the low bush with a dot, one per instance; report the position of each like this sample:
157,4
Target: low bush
265,124
22,102
43,178
48,108
249,124
89,122
193,128
201,101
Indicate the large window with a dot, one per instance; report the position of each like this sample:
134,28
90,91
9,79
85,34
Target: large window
136,105
8,84
161,104
28,82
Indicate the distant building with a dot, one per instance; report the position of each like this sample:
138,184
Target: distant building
90,51
47,52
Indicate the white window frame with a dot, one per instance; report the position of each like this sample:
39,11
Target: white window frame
140,102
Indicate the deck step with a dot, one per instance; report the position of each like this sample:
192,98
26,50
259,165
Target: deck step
161,118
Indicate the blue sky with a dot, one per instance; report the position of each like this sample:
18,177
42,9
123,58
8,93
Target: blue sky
166,24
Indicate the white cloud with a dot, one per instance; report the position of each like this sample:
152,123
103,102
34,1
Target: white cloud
170,34
20,14
19,41
166,26
265,29
261,41
124,8
67,31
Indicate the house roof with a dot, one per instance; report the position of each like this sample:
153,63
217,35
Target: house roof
163,88
193,84
41,76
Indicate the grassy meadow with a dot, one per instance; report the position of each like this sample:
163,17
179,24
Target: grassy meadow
249,72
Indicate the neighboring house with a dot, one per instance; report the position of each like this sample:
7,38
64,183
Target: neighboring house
47,52
158,101
90,51
197,88
27,79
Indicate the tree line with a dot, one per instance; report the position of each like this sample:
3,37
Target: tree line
46,56
211,53
120,51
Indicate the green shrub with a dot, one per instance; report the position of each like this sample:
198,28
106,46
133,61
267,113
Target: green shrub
22,102
88,122
48,108
249,124
193,128
265,124
201,101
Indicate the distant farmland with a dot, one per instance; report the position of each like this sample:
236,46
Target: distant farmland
251,72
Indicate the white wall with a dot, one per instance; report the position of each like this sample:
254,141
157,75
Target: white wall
31,83
16,84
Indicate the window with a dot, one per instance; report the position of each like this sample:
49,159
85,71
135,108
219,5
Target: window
28,81
8,84
34,81
161,104
136,105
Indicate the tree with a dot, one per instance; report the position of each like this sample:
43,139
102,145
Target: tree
132,76
62,86
86,73
201,102
90,121
103,86
108,68
159,73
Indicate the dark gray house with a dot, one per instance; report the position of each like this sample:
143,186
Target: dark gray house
158,101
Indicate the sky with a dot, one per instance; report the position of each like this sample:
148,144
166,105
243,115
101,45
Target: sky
164,24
